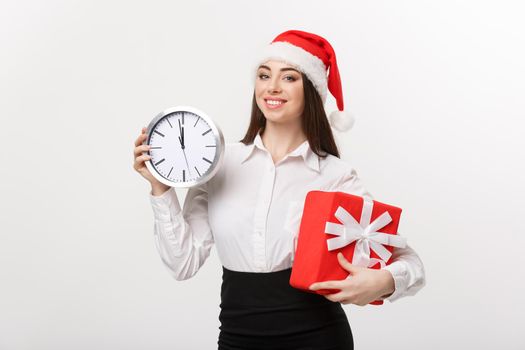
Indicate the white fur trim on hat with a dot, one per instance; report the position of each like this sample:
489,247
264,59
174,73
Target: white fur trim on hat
341,120
303,60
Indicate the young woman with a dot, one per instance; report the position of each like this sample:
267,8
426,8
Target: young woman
252,207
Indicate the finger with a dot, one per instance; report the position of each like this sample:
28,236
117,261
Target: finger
345,263
339,295
139,140
331,297
141,159
141,137
142,148
326,285
336,297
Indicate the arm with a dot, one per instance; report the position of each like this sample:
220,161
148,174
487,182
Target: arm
407,271
406,268
183,237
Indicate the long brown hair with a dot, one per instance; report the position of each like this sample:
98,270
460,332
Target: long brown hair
314,122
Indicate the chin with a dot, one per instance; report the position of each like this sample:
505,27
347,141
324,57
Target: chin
274,115
279,119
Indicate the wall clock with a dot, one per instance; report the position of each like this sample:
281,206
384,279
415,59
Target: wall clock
187,147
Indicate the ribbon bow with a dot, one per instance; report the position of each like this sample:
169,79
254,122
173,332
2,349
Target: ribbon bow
365,233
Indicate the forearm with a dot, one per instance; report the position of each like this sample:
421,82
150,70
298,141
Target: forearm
179,250
183,238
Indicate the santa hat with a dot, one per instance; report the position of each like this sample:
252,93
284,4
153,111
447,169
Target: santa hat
315,57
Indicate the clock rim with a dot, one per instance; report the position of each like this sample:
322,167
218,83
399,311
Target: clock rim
219,140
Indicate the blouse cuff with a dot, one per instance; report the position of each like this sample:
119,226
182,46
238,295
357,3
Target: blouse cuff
165,206
399,272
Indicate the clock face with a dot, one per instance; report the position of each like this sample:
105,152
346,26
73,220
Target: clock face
186,147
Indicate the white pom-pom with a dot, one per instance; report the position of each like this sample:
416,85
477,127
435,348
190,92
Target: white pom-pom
341,120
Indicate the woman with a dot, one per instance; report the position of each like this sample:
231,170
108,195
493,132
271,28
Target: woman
252,207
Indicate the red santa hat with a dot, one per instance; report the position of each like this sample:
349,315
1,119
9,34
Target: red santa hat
315,57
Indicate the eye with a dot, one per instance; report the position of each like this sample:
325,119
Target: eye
290,78
262,75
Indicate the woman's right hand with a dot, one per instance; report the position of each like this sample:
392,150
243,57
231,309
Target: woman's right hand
140,164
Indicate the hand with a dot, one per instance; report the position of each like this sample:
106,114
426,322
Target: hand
361,287
140,160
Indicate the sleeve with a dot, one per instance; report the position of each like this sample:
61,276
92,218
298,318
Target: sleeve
183,238
408,272
406,266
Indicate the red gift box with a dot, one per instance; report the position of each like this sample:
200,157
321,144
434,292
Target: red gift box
334,222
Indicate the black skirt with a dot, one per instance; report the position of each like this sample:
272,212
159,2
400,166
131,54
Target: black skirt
262,311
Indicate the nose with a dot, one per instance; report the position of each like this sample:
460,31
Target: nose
273,85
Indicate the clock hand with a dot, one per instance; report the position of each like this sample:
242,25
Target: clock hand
181,140
187,165
181,136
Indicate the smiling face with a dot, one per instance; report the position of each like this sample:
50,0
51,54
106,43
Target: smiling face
279,92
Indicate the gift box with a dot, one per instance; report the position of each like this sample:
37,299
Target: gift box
363,230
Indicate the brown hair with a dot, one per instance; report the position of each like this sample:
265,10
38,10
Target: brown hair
315,123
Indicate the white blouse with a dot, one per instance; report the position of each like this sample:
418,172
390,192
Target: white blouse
251,209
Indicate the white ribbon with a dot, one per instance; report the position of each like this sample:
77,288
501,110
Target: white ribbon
365,233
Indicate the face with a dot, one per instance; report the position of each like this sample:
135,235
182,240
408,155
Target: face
279,92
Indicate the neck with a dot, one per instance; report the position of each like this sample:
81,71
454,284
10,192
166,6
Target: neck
280,139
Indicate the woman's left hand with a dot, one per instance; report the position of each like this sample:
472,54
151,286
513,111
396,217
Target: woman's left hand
361,287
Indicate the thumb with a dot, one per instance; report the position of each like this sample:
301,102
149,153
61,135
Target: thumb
346,264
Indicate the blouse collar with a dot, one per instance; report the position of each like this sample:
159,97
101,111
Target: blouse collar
310,158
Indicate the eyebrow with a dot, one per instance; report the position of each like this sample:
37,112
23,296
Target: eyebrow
282,69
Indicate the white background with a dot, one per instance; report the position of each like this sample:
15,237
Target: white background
438,90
